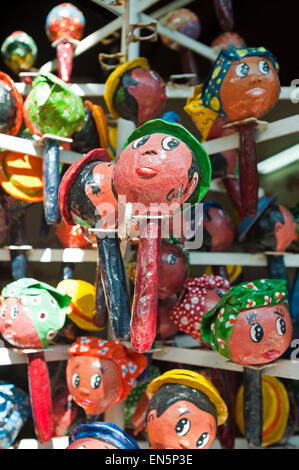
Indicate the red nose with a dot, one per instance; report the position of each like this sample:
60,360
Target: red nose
146,172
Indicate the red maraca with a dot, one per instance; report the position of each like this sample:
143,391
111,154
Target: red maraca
64,27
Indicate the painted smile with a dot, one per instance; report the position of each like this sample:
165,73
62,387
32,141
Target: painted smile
256,91
85,402
271,354
146,172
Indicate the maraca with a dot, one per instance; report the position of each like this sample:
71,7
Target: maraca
11,106
101,373
161,166
31,314
86,198
64,27
52,110
99,435
135,92
19,52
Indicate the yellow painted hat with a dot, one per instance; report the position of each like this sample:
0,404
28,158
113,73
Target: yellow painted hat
81,309
193,380
114,78
276,408
21,176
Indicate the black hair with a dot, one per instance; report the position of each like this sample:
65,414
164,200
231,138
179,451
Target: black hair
125,103
78,201
87,139
263,231
171,393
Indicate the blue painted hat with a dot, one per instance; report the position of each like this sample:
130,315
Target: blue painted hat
171,116
106,432
14,411
248,223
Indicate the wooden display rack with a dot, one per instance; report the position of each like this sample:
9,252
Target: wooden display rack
290,125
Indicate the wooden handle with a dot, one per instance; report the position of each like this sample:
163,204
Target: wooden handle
253,407
51,181
249,179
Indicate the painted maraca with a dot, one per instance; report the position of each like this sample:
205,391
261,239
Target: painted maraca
53,111
64,27
31,314
19,52
161,166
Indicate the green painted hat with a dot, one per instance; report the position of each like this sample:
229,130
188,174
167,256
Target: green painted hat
179,131
44,304
217,324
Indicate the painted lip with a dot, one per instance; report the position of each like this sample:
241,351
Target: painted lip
256,92
146,172
85,402
271,354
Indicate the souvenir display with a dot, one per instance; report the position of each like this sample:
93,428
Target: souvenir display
52,110
31,314
11,106
101,373
200,295
14,412
243,86
186,22
64,27
86,198
184,411
19,51
99,435
161,166
135,92
272,229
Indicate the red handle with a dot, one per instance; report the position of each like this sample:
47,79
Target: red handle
65,60
145,301
249,179
40,396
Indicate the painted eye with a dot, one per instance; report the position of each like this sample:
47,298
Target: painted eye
264,67
171,259
281,326
139,142
183,426
14,311
3,310
75,380
256,332
95,381
170,143
203,440
42,316
242,70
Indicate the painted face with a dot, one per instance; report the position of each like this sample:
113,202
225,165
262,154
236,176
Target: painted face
154,170
261,335
93,383
90,443
285,233
172,270
220,227
250,88
16,326
149,92
181,426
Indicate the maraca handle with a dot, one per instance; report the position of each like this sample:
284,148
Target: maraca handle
232,186
249,178
225,14
145,302
51,180
65,60
253,407
18,258
114,285
40,396
276,268
101,313
226,383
